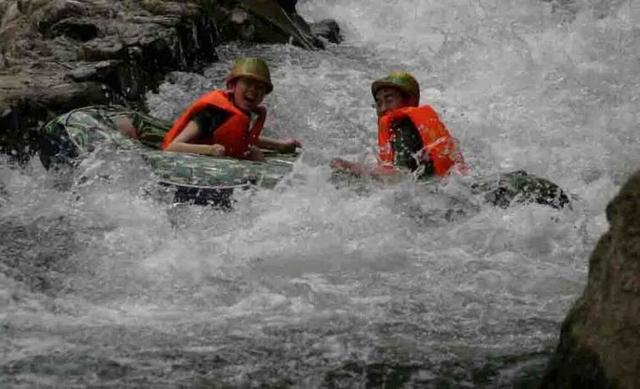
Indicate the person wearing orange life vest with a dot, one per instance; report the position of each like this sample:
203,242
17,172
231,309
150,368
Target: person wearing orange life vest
410,136
229,123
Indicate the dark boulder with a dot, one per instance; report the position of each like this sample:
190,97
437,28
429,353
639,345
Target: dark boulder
327,29
265,21
600,339
289,6
74,28
45,14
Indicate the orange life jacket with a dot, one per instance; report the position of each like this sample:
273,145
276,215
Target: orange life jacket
439,145
234,133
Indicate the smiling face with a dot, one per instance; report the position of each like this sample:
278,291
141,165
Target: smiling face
247,93
388,99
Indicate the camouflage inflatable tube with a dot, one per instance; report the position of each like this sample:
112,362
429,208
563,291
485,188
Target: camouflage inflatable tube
197,178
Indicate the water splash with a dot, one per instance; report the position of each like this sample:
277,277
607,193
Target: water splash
313,285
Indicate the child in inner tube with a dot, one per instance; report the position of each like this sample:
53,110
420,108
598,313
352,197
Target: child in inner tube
229,122
410,136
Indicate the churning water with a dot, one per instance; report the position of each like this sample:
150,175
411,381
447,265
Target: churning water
312,285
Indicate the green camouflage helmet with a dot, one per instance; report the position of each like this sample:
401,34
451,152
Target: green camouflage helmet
399,80
255,68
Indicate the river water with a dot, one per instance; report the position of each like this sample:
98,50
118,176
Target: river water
311,285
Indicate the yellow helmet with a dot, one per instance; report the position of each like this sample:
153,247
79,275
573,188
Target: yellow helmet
251,67
400,80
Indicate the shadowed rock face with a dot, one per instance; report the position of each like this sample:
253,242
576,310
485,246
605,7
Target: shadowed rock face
65,54
600,341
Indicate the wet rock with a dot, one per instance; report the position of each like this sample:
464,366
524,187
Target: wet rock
9,26
44,14
64,97
130,56
271,24
327,29
74,28
94,71
520,187
172,8
100,49
289,6
600,339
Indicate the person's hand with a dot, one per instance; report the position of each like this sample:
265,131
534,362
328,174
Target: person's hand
347,167
290,146
386,173
125,126
255,154
340,164
216,150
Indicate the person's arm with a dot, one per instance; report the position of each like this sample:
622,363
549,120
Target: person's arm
183,142
202,125
343,165
407,145
282,146
381,173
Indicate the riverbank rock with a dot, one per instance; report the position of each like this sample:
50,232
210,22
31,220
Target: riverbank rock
327,29
58,55
600,340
